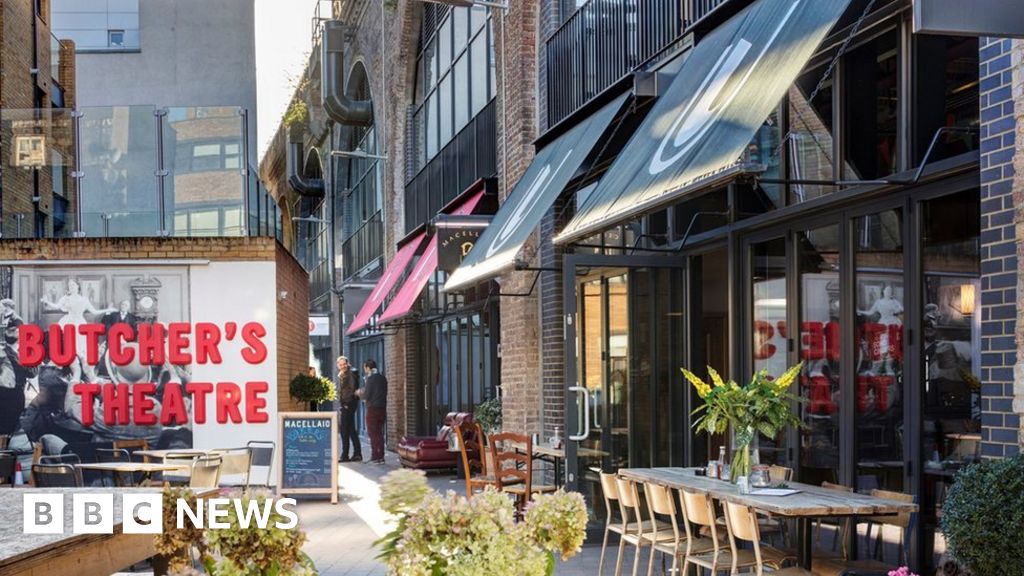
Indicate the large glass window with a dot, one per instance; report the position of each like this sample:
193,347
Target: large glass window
878,389
810,145
872,78
455,78
946,66
769,345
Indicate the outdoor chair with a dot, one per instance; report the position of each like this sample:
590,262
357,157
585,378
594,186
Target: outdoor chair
205,472
709,552
56,476
69,459
743,525
513,471
471,450
131,446
8,465
646,534
903,522
610,490
840,526
183,475
119,455
261,456
661,503
235,465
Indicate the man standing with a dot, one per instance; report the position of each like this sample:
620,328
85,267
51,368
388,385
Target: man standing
376,396
348,384
123,315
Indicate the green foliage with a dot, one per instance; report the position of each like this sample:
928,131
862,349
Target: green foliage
296,114
761,406
306,388
983,517
488,415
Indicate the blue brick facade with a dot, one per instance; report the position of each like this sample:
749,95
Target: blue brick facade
999,253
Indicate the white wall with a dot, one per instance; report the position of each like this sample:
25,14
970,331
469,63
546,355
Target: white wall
237,292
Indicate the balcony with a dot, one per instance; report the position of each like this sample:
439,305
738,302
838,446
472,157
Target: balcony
606,40
364,246
130,171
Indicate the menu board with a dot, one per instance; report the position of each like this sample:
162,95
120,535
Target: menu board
309,453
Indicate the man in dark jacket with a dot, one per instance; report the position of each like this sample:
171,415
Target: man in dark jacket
348,402
376,396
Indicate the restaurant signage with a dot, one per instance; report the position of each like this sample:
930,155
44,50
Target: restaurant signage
456,236
309,453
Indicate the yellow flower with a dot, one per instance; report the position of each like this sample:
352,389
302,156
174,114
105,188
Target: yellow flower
715,377
702,388
788,377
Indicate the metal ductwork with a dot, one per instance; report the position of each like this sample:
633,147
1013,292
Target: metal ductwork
339,106
293,164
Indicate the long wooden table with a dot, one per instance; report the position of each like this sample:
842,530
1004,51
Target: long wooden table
67,554
556,456
145,468
811,502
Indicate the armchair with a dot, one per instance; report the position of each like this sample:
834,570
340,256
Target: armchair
431,452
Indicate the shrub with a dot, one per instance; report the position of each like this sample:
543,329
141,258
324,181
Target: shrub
488,415
313,389
983,517
254,551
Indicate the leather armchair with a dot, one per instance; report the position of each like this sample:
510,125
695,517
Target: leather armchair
431,452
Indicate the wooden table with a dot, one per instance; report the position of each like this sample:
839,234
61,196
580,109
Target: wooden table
556,456
145,468
161,454
811,502
67,554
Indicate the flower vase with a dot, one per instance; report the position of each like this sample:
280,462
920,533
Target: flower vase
741,462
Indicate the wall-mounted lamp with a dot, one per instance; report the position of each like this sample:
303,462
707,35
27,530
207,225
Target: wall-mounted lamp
967,299
282,295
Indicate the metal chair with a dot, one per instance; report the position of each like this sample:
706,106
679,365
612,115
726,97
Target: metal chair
117,455
182,475
261,455
236,463
662,503
712,554
69,459
205,472
56,476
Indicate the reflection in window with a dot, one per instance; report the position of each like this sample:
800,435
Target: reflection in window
946,65
810,144
764,150
872,107
951,349
878,389
820,350
769,345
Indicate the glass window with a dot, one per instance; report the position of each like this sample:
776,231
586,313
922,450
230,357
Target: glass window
951,349
461,83
770,305
115,38
477,18
460,28
444,44
478,74
431,136
946,65
429,56
871,111
445,111
810,146
878,334
764,150
819,345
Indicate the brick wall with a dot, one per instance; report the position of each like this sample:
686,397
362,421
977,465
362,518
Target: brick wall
292,315
999,252
516,55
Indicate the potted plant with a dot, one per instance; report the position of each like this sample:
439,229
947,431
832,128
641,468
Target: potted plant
983,516
761,406
451,535
488,415
314,390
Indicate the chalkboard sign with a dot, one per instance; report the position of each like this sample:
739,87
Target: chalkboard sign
309,453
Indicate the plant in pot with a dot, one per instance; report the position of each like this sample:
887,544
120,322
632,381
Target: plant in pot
313,390
761,406
488,415
450,535
983,517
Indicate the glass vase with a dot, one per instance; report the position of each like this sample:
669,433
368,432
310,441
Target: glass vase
741,460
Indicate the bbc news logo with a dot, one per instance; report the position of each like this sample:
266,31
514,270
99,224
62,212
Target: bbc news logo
94,513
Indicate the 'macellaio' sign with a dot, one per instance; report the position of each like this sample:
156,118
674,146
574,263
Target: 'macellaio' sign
456,236
153,345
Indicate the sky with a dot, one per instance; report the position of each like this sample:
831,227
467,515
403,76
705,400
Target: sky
282,45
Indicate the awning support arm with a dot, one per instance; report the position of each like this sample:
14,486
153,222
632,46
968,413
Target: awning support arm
693,221
888,181
533,285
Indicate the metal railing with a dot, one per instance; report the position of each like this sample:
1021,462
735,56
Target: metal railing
604,40
363,246
132,171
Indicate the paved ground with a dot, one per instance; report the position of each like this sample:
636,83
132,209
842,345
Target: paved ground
341,536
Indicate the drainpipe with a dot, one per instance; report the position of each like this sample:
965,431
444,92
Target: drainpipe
313,187
339,107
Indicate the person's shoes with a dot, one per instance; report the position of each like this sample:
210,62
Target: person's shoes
344,459
356,459
378,461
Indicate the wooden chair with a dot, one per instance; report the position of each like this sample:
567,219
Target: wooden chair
471,449
205,472
261,455
645,534
780,473
131,446
56,476
699,509
610,491
513,471
118,455
182,475
661,503
743,525
903,521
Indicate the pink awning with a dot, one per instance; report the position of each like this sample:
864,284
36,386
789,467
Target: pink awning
391,275
424,269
